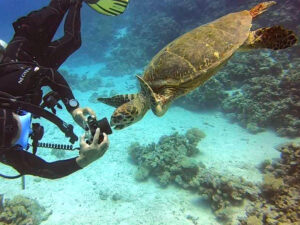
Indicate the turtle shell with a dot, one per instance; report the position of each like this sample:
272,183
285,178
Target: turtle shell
194,57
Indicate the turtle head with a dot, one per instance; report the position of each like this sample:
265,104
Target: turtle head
129,113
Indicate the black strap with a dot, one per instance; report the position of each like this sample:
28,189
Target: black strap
10,177
2,127
8,127
11,103
16,63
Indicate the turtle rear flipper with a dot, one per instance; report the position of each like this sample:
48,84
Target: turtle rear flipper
117,100
261,8
274,38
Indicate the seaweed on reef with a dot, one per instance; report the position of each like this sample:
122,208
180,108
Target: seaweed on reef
278,203
22,210
171,161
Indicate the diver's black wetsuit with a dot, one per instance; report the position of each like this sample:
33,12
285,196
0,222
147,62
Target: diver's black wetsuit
32,44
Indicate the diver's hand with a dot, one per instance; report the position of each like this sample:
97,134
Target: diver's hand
90,153
79,116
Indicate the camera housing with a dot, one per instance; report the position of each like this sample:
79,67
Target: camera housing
93,124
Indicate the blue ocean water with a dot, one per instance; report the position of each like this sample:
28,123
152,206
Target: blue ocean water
246,110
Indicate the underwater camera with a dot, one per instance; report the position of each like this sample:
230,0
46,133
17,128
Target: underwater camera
93,124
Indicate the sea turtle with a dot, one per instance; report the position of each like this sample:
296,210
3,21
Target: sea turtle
190,60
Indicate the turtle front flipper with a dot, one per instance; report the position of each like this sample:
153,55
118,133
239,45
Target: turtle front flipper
117,100
274,38
158,106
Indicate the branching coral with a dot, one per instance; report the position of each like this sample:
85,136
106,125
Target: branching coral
22,211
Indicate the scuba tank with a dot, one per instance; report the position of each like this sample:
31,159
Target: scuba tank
25,122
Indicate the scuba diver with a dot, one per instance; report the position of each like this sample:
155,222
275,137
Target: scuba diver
28,63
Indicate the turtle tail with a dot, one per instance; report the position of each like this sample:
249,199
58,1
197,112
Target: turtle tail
155,103
274,38
260,8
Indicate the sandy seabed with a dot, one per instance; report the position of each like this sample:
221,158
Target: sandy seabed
106,192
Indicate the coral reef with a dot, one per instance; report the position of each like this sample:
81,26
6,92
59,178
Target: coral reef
82,83
170,161
279,202
221,191
169,158
268,101
21,211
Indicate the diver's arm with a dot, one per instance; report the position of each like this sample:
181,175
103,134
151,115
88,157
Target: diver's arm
27,163
58,51
57,83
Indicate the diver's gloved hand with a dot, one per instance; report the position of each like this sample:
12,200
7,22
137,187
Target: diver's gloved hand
90,153
80,116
